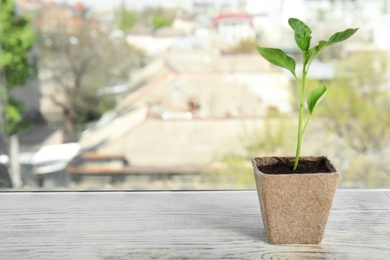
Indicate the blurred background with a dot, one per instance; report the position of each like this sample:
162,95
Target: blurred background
172,95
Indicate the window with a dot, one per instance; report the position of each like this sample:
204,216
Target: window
170,95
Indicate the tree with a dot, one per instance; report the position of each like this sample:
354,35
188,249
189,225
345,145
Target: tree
16,40
156,18
81,62
359,115
159,21
360,108
127,19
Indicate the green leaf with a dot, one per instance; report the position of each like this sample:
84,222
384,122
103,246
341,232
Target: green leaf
315,97
317,49
335,38
302,33
341,36
278,58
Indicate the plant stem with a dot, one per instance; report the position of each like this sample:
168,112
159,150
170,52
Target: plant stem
301,114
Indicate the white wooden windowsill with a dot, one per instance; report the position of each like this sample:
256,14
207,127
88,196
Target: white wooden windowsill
180,225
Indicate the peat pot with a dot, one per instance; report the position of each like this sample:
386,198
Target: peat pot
295,206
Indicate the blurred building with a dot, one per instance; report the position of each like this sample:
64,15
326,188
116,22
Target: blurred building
231,28
188,108
50,15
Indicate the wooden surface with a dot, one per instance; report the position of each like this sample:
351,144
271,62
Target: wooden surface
180,225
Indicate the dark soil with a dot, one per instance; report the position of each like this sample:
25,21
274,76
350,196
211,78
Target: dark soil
304,167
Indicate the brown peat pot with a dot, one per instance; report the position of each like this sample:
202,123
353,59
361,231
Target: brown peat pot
295,206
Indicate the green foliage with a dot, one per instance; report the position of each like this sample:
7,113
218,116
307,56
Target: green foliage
127,19
16,40
159,21
335,38
360,108
13,118
357,119
302,34
155,18
315,97
278,58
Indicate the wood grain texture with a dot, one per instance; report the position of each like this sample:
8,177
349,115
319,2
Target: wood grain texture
180,225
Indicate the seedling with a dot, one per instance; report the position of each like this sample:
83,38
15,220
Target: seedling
302,34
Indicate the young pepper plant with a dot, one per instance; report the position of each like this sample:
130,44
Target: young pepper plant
302,34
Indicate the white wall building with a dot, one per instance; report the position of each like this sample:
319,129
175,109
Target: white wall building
232,28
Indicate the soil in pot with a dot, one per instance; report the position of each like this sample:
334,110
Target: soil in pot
285,166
